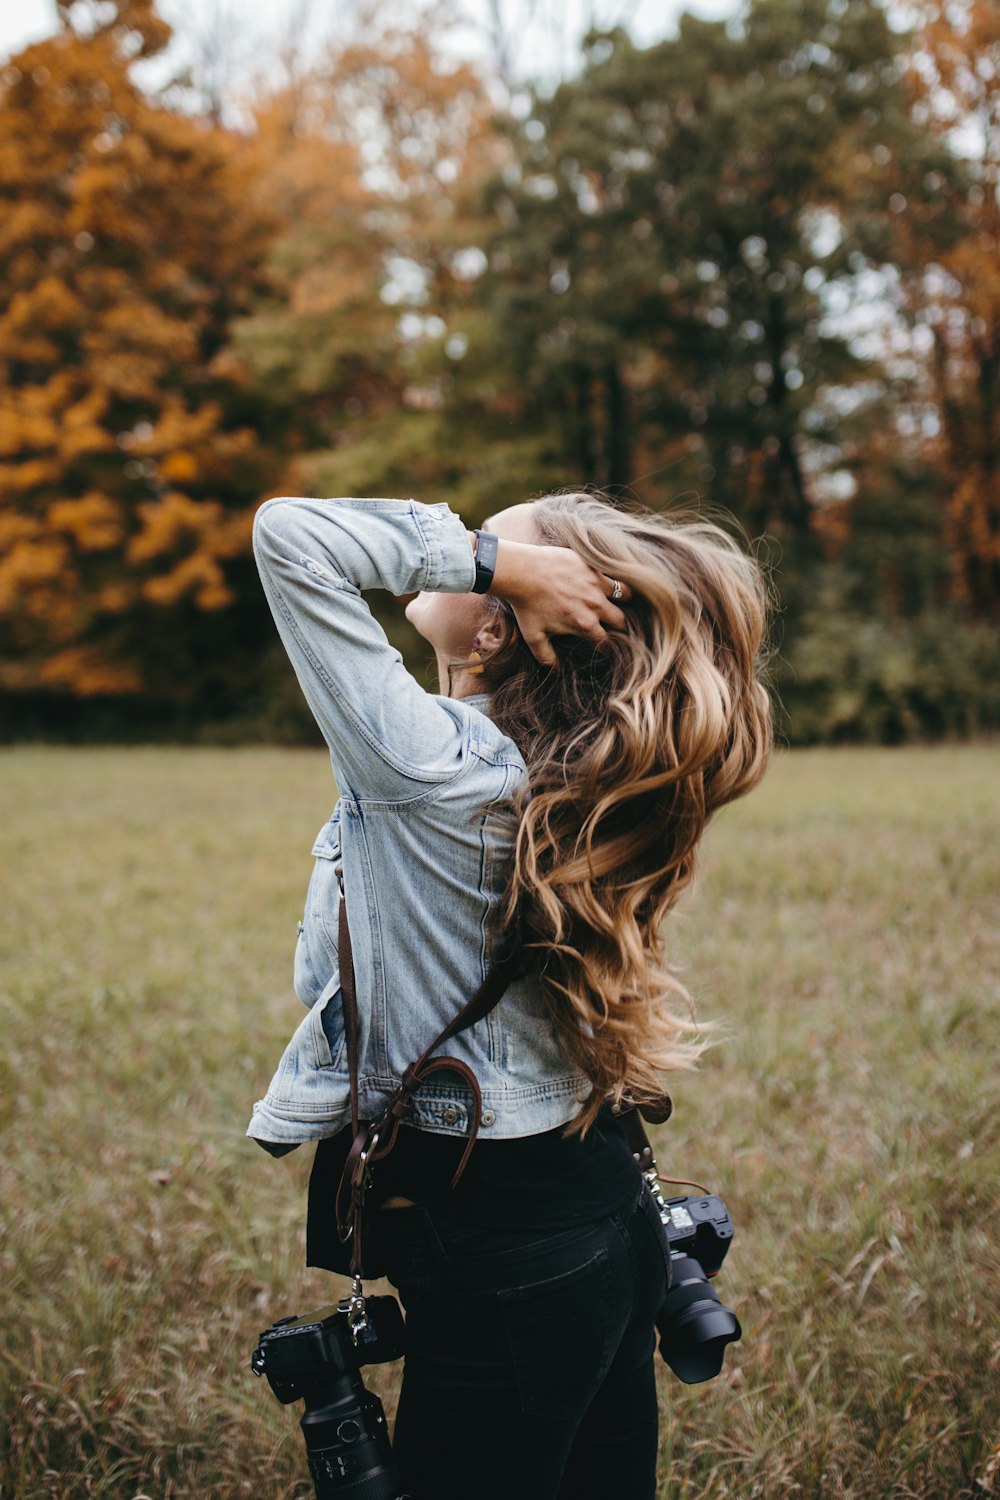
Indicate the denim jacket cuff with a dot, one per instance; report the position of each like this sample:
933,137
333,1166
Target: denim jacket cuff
451,567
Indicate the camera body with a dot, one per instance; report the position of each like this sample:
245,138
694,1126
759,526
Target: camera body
296,1354
699,1227
694,1325
317,1359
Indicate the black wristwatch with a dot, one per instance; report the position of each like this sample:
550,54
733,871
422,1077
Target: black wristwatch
486,560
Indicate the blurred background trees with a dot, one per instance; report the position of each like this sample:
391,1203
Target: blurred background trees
130,238
753,268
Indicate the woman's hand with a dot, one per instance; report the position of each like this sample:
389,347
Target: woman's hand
552,591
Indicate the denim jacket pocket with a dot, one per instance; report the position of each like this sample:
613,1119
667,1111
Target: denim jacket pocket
560,1335
312,1078
327,845
330,1038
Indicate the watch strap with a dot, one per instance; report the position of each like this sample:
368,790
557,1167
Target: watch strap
486,560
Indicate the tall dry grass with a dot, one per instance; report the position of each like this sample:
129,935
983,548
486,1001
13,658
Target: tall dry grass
847,928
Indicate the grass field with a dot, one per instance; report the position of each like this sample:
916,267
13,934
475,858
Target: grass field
846,927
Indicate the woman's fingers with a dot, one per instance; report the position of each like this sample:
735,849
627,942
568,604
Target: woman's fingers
567,597
614,618
540,647
611,584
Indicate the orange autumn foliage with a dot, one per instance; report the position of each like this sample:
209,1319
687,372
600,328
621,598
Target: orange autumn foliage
955,76
367,156
130,239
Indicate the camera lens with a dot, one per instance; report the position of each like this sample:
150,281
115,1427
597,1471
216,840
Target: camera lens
316,1359
694,1325
347,1443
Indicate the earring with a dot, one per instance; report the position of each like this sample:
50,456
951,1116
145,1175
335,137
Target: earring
476,671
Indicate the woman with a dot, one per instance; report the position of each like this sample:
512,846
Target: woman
599,701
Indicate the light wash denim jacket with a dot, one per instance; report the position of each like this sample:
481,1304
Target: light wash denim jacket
425,832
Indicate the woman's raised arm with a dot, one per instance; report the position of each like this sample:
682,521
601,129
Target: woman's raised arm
388,738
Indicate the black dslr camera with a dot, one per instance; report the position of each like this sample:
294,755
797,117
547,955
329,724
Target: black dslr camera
694,1325
316,1359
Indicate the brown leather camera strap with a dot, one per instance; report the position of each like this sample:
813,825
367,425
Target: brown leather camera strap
349,999
374,1140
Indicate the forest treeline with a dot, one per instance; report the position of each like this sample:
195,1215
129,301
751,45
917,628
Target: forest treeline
753,269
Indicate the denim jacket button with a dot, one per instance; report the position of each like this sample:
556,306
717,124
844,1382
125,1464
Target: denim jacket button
488,1117
450,1115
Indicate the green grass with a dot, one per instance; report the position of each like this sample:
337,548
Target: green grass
846,928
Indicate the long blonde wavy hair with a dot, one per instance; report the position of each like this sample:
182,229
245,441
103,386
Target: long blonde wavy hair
631,746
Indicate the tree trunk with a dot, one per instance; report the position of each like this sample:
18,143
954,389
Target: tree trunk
618,444
585,451
789,484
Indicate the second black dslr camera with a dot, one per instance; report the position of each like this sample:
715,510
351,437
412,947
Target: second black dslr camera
694,1325
316,1359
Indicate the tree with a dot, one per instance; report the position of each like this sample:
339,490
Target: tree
955,297
129,464
369,157
687,221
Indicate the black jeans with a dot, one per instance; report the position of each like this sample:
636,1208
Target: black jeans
529,1367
